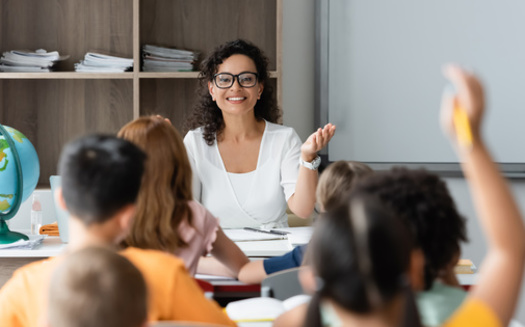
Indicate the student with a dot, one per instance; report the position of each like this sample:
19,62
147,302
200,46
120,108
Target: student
422,201
335,181
490,303
101,178
167,217
360,254
247,167
97,287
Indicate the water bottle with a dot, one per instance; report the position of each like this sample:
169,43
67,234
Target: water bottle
36,215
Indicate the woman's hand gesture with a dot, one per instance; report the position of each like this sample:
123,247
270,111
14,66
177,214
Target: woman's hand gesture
317,141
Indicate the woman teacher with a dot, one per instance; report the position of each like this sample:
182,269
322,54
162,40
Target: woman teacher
246,167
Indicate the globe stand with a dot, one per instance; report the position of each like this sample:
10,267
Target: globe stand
7,236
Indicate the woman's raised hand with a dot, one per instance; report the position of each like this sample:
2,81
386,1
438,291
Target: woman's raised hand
317,141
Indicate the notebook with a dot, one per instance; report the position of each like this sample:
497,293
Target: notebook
62,215
242,235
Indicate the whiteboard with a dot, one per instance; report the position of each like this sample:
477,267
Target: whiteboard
384,82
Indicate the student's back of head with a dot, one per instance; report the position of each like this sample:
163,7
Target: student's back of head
337,180
421,199
166,188
360,253
335,183
96,287
100,175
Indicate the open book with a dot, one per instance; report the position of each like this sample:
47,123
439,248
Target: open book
260,309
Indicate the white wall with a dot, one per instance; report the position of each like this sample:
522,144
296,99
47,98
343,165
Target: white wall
298,65
298,108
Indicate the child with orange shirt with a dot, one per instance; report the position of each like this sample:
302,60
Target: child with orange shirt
101,177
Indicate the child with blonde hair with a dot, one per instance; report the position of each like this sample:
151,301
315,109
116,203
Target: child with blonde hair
335,181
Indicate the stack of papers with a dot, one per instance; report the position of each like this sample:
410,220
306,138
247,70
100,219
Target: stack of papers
161,59
101,63
28,61
33,241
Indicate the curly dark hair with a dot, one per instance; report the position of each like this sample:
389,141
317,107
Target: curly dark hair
422,200
206,113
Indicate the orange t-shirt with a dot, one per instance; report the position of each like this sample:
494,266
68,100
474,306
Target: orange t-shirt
24,297
173,293
473,312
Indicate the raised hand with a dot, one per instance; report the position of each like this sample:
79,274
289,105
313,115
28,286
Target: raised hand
317,141
468,95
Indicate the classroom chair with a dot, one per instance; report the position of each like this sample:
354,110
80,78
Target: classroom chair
206,287
282,285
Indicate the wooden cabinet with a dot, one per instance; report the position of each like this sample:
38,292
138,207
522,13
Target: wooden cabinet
53,108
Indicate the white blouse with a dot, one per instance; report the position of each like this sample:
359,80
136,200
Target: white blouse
241,185
268,190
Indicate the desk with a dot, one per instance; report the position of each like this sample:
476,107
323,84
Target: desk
51,246
257,249
12,259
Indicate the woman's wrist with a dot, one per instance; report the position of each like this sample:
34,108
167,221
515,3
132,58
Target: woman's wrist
308,157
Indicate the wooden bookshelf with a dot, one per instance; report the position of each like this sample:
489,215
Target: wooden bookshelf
53,108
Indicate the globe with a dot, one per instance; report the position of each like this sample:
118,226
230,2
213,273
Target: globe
19,173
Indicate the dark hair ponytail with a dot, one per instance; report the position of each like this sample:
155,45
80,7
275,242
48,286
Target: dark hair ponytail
313,315
361,253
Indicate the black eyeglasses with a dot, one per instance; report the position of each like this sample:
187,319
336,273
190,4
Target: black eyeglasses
226,80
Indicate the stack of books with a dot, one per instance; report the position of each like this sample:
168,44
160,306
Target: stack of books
465,266
102,63
161,59
29,61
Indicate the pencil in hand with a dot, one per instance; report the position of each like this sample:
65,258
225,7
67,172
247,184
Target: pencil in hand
462,127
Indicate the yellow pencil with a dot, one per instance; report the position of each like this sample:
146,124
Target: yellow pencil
462,127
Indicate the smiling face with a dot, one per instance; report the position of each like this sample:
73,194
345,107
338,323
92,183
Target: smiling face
236,100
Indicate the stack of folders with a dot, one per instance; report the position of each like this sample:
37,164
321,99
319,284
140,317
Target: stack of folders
161,59
34,241
102,63
29,61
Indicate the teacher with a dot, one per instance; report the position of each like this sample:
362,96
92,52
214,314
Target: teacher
246,167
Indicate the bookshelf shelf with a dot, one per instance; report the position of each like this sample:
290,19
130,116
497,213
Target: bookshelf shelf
66,75
53,108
